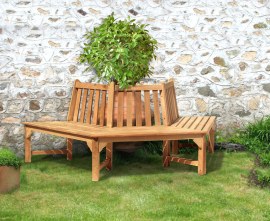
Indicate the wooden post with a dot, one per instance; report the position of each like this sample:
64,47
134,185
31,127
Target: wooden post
95,159
201,142
27,145
211,141
175,147
109,155
166,153
69,149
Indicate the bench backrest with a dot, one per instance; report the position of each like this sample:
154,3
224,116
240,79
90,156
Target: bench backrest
92,104
107,105
145,105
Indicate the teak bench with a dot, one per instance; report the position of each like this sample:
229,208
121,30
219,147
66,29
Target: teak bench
103,114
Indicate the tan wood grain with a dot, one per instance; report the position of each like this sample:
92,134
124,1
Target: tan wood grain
96,107
156,108
89,107
147,108
82,112
77,105
120,109
130,101
138,108
102,109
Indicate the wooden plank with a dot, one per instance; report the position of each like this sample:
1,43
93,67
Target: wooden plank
196,123
209,124
69,149
166,152
164,106
190,122
175,104
141,88
95,159
183,122
184,161
89,107
175,147
156,108
202,123
130,100
102,108
169,106
109,155
177,122
62,134
27,144
48,152
110,106
96,107
91,86
169,84
77,105
147,108
211,135
201,142
83,105
72,103
104,164
138,108
120,109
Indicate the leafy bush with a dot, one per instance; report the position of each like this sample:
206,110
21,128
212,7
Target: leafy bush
119,51
8,158
256,137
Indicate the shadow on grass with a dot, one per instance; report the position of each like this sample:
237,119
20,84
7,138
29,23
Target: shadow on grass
125,164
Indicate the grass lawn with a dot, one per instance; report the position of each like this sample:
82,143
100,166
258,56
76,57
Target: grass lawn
138,188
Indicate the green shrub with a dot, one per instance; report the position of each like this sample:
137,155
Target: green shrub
8,158
256,138
120,51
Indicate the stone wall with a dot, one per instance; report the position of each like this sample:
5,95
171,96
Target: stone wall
218,52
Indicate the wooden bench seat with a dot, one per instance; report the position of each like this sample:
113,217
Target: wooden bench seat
91,119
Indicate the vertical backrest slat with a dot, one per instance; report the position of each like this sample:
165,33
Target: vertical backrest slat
138,108
120,108
102,108
130,111
171,103
110,106
163,105
169,106
173,112
96,107
85,91
147,108
71,109
77,105
156,108
175,103
89,107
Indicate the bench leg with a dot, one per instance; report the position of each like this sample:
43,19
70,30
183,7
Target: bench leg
27,145
166,153
93,145
201,142
175,147
69,149
109,155
211,141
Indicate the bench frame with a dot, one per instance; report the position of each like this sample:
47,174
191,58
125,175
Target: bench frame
103,129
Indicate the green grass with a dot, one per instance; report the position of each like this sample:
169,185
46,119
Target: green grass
138,188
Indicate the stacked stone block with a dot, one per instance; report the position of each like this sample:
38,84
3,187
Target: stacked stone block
217,51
